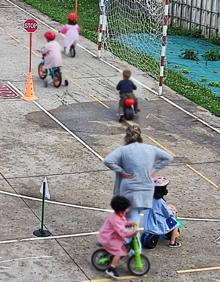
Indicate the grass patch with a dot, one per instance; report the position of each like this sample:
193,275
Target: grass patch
193,91
57,10
88,19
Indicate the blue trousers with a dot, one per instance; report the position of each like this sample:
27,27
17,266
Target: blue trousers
134,215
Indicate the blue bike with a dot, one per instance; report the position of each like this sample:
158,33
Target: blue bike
55,74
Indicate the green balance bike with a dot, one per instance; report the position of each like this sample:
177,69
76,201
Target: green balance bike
137,263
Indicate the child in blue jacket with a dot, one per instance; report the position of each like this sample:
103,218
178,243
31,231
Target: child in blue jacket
160,219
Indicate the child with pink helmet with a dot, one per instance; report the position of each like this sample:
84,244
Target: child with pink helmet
160,220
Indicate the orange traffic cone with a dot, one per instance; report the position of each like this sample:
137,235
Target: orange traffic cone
29,94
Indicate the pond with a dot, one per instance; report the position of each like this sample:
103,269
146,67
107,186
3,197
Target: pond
197,71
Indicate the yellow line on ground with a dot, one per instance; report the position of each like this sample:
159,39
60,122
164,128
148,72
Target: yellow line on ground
187,165
36,54
77,84
121,278
91,95
128,122
13,37
95,98
198,269
203,176
160,145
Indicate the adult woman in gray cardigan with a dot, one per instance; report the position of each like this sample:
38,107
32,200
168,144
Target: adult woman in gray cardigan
134,164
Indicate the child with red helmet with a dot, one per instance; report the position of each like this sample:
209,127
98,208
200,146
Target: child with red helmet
71,32
51,51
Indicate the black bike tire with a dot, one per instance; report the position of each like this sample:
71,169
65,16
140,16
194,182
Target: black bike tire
40,67
72,51
93,261
128,113
145,261
57,73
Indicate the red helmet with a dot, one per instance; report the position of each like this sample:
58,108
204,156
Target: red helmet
72,17
50,35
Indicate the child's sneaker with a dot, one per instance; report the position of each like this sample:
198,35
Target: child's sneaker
112,272
175,245
137,111
131,253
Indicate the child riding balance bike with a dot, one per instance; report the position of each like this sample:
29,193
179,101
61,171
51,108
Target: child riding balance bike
160,221
52,61
112,239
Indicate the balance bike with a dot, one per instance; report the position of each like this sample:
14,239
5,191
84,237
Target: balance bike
138,264
55,74
149,240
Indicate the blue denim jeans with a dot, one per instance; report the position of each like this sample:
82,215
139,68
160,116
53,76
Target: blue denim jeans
134,215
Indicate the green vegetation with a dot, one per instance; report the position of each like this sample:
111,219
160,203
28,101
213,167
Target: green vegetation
195,33
193,91
185,71
88,20
189,54
204,79
214,84
212,55
57,10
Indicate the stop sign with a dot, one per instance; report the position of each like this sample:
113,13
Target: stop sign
30,25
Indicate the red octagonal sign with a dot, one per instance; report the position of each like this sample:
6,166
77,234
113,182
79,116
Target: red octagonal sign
30,25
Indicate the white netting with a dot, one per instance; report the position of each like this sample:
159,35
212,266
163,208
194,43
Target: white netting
134,32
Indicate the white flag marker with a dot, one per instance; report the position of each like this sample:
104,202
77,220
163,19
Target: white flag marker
47,193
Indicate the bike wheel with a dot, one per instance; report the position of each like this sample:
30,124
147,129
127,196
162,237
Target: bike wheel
149,241
136,271
101,259
41,71
72,51
57,79
128,113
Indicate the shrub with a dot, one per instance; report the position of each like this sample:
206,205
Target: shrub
212,55
189,54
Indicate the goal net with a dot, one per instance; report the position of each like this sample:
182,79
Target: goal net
133,32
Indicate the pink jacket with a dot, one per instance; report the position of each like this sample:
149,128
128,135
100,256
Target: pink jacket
71,34
113,233
53,56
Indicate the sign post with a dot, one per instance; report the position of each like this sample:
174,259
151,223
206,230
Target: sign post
45,194
76,7
30,26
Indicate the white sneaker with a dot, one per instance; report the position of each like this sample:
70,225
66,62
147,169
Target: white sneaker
112,272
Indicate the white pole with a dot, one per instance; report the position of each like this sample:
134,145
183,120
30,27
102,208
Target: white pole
164,45
100,28
218,10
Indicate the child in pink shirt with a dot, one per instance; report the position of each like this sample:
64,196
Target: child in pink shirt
113,232
51,51
71,31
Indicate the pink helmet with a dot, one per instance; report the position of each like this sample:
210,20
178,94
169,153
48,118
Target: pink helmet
160,181
50,35
72,17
